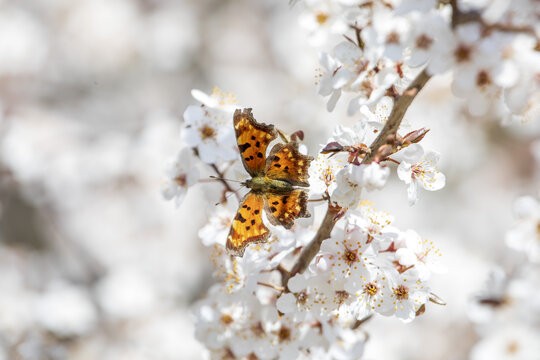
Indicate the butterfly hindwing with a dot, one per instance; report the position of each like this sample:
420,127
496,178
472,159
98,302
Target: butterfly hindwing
283,209
247,226
252,139
286,163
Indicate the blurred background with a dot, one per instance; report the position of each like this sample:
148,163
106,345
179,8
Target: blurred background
94,264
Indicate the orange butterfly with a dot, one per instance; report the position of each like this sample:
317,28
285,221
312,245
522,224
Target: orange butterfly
274,181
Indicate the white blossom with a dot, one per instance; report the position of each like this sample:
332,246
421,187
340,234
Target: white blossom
181,173
208,127
420,168
525,234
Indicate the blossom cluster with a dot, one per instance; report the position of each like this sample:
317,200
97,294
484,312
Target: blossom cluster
366,267
506,313
490,48
259,308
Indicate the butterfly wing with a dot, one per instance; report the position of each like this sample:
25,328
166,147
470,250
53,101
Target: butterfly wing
252,139
286,163
283,209
247,226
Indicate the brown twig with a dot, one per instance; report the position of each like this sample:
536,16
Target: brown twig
462,17
309,252
390,129
275,287
398,112
223,181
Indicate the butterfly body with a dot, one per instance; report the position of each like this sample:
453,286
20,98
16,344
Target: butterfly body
262,184
276,183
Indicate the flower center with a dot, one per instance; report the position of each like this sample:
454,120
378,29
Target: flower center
423,42
301,298
226,319
181,180
328,176
401,292
257,330
371,289
392,38
284,334
512,347
462,53
207,132
252,356
483,79
417,171
341,296
321,18
350,257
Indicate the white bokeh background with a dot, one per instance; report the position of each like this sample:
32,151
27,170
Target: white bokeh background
94,264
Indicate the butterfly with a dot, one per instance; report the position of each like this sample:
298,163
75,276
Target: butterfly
274,183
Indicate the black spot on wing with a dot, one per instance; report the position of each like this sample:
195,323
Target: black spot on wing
273,209
259,155
275,202
240,218
258,144
244,147
256,212
252,222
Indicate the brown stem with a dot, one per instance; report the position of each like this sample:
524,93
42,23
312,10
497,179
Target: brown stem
309,252
390,129
223,181
398,112
462,17
275,287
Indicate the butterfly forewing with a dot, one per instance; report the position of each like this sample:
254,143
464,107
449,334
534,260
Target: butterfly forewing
286,163
252,139
283,209
247,226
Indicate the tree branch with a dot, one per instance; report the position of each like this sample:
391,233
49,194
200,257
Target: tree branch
309,252
389,130
391,127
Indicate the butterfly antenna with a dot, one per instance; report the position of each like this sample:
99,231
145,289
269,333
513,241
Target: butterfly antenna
220,178
228,196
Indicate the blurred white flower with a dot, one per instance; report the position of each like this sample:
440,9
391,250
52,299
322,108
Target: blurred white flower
322,18
65,310
209,126
110,28
419,168
23,42
181,173
524,236
387,35
508,342
219,223
126,293
430,33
